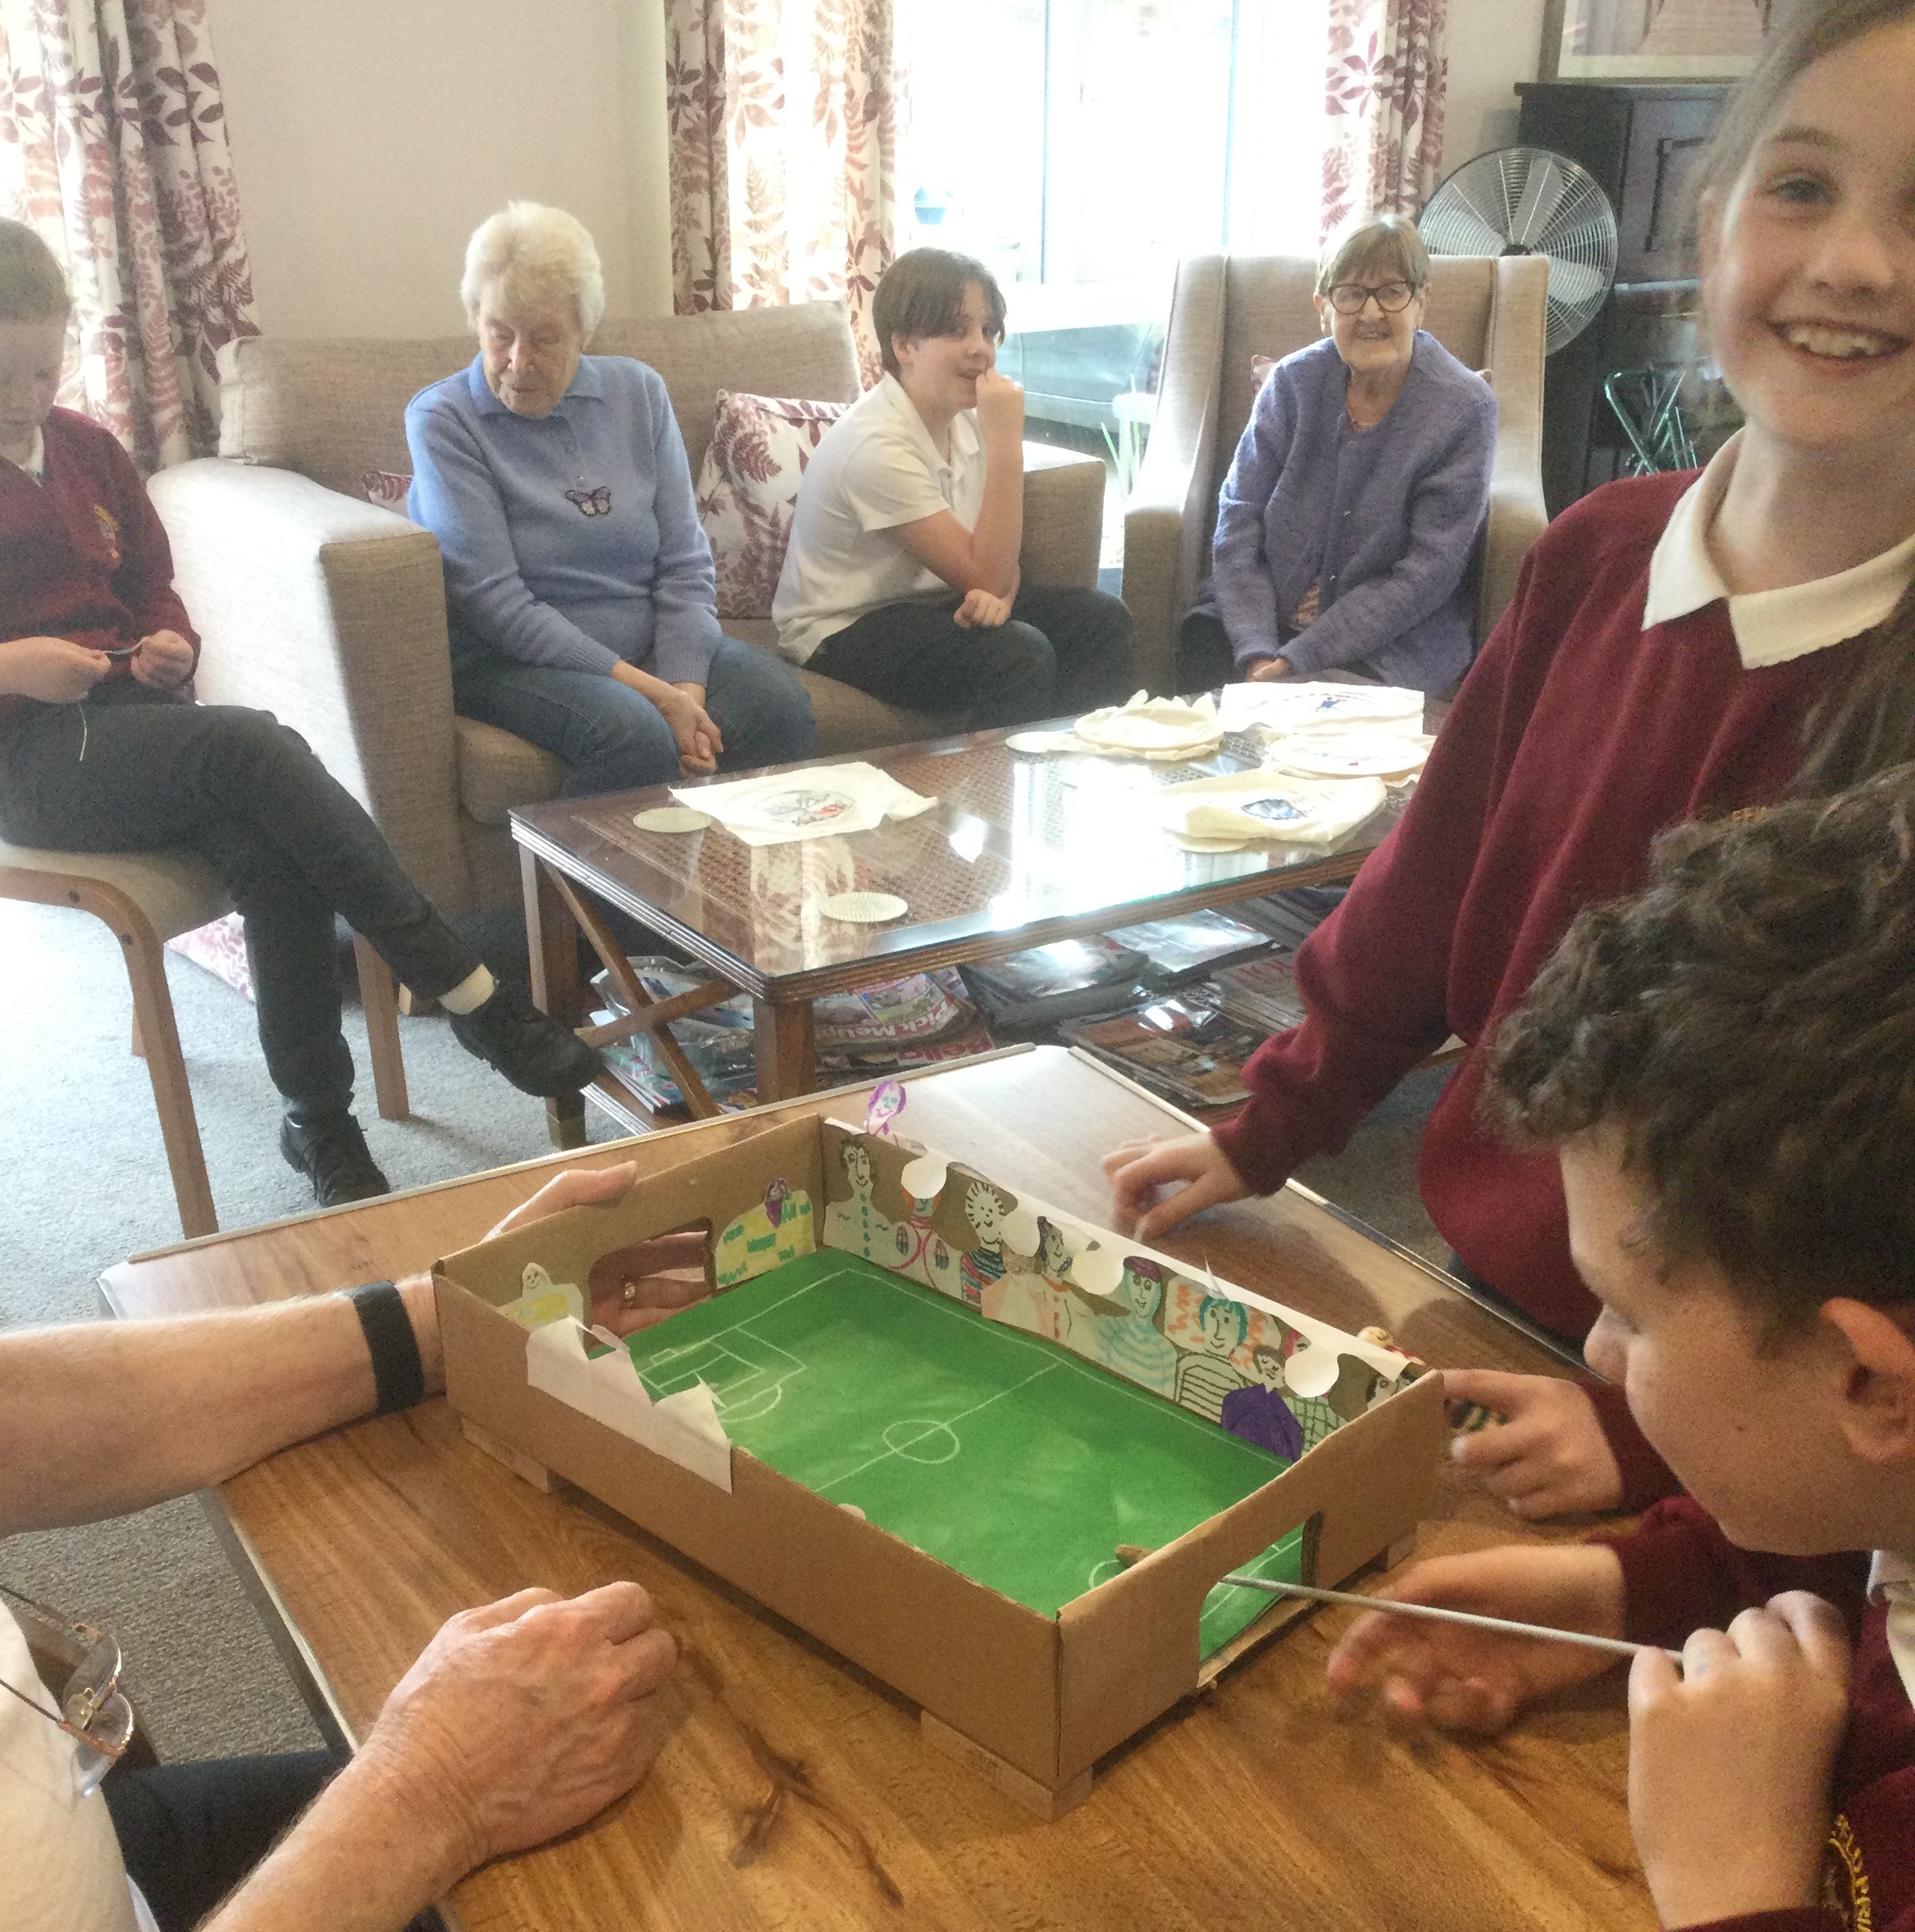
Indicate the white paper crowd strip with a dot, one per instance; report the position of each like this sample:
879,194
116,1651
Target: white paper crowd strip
684,1427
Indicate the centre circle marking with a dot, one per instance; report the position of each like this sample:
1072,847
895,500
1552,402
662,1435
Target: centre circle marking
918,1441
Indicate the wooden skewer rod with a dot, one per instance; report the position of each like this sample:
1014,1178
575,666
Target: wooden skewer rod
1133,1553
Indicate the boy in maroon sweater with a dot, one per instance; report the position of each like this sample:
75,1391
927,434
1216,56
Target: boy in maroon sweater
101,749
1725,1066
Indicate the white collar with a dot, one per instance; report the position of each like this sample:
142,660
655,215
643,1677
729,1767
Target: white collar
1770,627
965,442
1889,1572
34,463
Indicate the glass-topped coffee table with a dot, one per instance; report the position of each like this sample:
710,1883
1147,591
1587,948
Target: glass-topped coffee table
1017,852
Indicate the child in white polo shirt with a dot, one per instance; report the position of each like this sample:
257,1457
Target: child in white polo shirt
902,574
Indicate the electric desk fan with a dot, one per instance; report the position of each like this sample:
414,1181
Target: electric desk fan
1531,201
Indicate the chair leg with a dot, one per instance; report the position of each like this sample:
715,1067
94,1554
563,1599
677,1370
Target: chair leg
166,1067
381,1018
139,1045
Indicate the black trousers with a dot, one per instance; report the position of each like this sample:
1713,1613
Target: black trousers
246,795
190,1832
1062,651
1204,661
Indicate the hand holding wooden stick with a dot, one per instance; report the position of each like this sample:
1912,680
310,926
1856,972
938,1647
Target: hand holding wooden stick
1129,1553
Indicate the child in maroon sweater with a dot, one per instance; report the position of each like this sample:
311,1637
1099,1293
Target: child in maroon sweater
101,749
1677,647
1725,1066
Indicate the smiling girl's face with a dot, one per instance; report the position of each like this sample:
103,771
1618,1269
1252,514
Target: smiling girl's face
1808,259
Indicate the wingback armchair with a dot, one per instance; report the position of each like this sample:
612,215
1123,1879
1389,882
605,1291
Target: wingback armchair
329,611
1227,310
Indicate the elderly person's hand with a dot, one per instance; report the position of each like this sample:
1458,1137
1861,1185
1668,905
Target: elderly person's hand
699,742
520,1720
629,1288
1265,668
709,744
525,1718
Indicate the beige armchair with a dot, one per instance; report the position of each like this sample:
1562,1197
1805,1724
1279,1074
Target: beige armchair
1226,309
330,612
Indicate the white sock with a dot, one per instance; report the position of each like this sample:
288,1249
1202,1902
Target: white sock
471,992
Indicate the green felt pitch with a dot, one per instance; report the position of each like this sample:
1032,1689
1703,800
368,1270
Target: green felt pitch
1000,1454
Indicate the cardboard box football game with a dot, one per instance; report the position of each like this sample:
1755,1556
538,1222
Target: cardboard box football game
920,1412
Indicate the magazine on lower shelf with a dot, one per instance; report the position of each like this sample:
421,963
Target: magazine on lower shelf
1181,1046
919,1020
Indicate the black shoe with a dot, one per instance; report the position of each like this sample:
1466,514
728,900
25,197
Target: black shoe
331,1152
531,1049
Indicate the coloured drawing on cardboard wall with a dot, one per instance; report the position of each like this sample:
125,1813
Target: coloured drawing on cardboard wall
767,1235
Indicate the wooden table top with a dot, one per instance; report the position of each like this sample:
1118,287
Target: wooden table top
795,1792
1018,851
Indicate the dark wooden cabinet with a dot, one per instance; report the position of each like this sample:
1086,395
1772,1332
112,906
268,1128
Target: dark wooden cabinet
1641,143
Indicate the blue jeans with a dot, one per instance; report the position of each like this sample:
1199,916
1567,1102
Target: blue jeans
613,740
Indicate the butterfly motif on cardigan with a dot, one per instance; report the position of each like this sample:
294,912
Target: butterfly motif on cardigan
591,502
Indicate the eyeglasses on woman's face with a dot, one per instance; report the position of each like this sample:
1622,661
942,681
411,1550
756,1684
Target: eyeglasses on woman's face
93,1710
1351,298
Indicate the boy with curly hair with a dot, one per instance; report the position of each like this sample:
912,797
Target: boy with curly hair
1725,1063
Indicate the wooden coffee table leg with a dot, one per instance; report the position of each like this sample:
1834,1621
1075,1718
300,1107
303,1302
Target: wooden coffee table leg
551,935
781,1039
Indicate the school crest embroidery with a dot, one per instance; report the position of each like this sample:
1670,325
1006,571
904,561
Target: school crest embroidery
591,502
108,529
1844,1882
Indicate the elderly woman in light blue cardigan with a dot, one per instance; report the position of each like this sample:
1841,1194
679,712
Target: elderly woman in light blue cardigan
1345,527
579,584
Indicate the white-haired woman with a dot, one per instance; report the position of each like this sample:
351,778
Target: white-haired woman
1345,527
579,584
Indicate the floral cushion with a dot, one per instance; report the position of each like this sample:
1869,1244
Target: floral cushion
747,486
387,488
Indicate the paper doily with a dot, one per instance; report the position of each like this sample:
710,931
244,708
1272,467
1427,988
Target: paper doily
863,909
1350,751
671,818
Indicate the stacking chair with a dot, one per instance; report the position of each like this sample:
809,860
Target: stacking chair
147,898
1648,404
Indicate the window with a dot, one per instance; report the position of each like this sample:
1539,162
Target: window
1079,148
1070,142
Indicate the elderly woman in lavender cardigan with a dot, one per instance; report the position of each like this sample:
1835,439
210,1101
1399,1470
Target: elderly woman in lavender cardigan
1345,527
579,584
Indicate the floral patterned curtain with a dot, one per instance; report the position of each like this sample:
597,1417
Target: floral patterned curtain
113,144
1383,141
782,118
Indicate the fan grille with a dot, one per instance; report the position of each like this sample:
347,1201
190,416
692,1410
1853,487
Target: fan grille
1532,201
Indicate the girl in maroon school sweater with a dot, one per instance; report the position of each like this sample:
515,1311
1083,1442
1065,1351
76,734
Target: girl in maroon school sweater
1679,647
